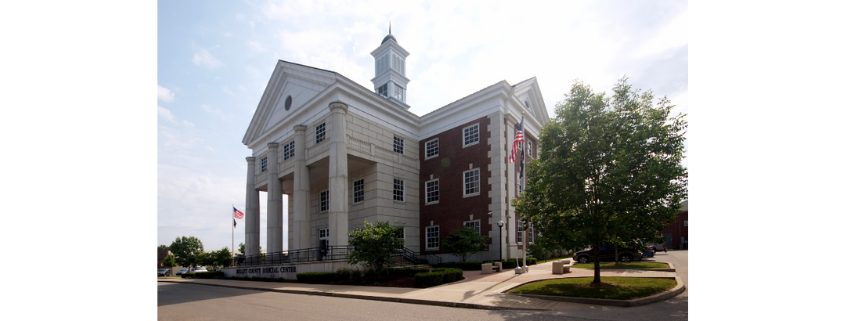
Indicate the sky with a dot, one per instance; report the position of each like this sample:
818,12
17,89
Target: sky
215,61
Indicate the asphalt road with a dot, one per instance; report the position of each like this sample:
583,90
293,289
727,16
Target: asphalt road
200,302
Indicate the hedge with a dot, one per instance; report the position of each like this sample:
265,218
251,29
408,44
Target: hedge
202,275
316,277
466,266
437,277
405,271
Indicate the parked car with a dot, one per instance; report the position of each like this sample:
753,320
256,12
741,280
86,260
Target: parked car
164,272
606,252
182,271
658,247
199,269
648,253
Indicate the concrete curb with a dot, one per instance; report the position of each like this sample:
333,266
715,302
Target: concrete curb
366,297
678,289
671,268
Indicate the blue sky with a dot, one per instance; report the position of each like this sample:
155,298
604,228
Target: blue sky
214,62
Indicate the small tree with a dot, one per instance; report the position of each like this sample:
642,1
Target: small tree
163,247
375,245
169,262
224,257
242,251
187,249
465,242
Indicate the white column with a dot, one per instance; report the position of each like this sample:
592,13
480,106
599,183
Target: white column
510,122
274,200
338,177
301,229
252,217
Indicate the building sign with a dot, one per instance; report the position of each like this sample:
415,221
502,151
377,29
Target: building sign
272,269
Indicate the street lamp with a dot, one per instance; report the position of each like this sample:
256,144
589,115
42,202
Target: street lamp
500,224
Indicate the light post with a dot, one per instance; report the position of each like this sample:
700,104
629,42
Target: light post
500,224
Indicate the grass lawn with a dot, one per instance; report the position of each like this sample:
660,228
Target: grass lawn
616,288
631,265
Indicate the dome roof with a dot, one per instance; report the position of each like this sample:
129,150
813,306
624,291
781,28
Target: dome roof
388,37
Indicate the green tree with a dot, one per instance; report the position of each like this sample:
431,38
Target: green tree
464,242
224,257
242,251
169,262
375,245
163,247
187,251
609,168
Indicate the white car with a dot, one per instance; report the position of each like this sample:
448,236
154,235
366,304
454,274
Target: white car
199,269
658,247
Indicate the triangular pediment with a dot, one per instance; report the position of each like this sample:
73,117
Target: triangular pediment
528,93
290,87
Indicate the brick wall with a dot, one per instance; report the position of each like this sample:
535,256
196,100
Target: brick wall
453,160
678,230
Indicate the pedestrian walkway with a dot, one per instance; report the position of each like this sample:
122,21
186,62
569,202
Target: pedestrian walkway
476,290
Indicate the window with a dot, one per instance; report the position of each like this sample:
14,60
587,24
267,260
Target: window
530,232
432,237
528,152
263,164
288,150
470,135
324,201
471,182
432,191
358,191
402,233
519,232
432,148
398,145
685,223
382,90
324,233
398,190
474,224
321,133
398,93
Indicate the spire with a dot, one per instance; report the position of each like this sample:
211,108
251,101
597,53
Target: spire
390,28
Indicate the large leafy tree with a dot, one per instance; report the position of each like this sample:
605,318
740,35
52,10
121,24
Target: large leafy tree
464,242
609,168
187,250
169,262
375,245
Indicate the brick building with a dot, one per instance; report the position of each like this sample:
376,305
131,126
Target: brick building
317,135
677,233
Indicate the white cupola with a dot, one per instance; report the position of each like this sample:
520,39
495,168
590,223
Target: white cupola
390,81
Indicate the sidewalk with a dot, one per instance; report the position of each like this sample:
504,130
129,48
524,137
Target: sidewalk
475,291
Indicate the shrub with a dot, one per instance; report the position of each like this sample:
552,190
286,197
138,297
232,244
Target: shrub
424,280
344,274
405,271
316,277
458,274
370,273
207,275
356,273
509,264
466,266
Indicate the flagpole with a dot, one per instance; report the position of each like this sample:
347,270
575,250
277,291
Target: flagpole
233,232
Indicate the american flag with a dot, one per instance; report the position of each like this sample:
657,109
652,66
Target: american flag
518,138
238,214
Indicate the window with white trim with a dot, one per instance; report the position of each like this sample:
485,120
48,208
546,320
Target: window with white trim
471,135
398,145
263,164
288,149
324,201
398,93
472,185
432,191
519,232
320,132
685,223
530,232
324,233
528,152
432,148
358,191
474,224
398,190
432,237
382,90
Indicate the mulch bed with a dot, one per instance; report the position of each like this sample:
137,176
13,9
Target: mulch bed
388,281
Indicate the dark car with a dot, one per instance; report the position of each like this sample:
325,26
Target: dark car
164,272
606,253
182,271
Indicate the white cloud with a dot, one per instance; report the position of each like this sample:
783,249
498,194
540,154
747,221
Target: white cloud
166,114
187,123
255,45
213,111
165,94
203,58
